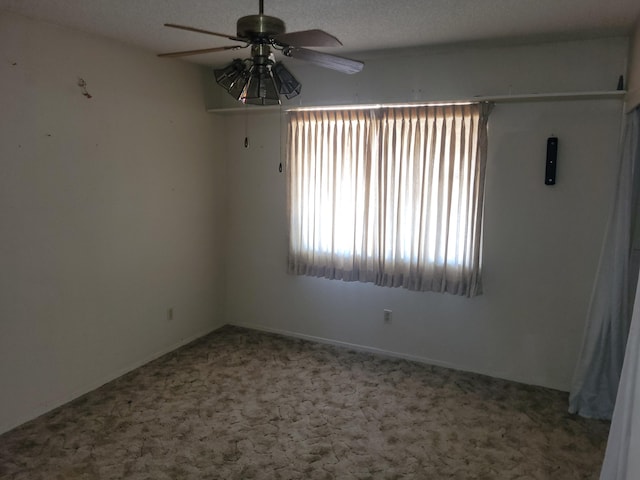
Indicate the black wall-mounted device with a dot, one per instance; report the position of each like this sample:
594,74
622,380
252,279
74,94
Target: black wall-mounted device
552,161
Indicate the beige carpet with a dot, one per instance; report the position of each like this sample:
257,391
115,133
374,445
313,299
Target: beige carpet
240,404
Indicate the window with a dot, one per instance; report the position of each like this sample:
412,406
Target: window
391,196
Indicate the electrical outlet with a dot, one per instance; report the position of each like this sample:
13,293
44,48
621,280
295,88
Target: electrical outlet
170,314
387,315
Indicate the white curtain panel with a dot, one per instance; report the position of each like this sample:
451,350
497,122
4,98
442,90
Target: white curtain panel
597,374
622,459
391,196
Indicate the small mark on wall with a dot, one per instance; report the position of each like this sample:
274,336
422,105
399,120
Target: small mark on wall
83,87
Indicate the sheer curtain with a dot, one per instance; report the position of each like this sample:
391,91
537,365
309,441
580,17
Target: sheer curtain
621,460
595,383
391,196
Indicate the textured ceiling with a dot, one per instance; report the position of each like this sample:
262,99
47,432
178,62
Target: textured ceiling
361,25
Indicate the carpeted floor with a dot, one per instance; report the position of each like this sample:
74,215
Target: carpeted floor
241,404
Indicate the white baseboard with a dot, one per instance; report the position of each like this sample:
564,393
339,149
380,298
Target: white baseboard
352,346
391,354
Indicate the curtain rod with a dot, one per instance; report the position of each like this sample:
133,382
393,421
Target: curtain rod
519,98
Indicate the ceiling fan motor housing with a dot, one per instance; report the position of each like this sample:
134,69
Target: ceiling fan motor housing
259,26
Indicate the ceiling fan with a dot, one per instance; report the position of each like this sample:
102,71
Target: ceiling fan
260,80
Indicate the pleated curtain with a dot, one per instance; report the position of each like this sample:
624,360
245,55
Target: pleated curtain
391,196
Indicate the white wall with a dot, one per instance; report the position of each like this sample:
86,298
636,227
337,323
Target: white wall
110,213
457,72
541,243
633,82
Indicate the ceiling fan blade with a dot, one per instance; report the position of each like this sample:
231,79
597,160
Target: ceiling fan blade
308,38
199,51
334,62
208,32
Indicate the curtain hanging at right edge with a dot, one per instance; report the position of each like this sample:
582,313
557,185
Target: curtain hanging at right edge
595,382
621,461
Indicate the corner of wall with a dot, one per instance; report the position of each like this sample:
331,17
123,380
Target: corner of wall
633,75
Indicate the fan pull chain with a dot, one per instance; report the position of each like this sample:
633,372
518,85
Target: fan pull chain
246,129
282,118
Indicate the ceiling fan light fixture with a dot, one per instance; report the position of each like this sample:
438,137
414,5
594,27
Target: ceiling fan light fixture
228,76
285,82
260,84
261,88
239,86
